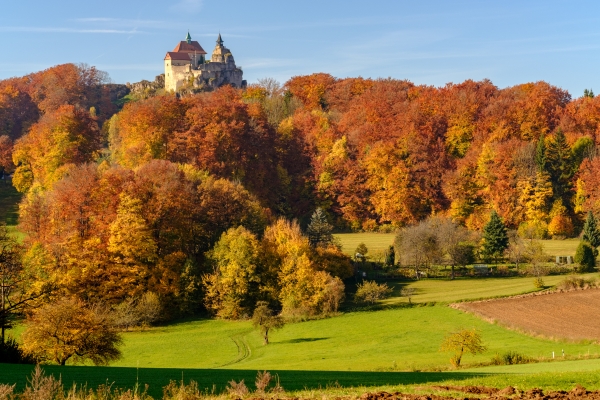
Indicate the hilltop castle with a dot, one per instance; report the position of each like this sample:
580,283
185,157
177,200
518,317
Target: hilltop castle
186,66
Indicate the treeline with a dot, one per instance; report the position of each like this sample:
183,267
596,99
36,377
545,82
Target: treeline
374,154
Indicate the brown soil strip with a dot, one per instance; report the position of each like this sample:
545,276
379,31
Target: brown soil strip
570,315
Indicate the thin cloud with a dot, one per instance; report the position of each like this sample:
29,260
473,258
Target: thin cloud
65,30
187,6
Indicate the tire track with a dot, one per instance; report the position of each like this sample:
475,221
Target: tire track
243,348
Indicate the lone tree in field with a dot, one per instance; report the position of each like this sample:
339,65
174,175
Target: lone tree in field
264,320
464,341
70,329
319,230
495,238
591,234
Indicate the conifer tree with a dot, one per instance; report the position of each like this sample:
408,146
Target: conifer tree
540,154
590,230
591,234
319,230
495,238
560,165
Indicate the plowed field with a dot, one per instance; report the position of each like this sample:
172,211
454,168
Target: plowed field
569,315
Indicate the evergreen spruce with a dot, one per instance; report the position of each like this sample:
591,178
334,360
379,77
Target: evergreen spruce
540,154
590,231
319,230
560,165
495,238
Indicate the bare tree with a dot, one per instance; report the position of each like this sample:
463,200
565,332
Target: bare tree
516,248
418,246
454,242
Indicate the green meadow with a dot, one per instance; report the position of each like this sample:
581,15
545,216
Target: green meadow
392,346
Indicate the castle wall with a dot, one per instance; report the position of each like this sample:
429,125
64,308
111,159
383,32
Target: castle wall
176,75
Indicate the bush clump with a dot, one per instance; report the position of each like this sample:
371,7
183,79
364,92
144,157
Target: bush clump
371,291
576,282
510,358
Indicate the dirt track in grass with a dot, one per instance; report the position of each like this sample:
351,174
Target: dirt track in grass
570,315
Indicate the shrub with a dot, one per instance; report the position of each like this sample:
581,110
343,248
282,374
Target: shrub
510,358
370,292
538,283
584,256
576,282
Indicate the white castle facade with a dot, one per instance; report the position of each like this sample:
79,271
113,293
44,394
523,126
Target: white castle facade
186,67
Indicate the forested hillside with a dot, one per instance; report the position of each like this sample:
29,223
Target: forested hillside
190,196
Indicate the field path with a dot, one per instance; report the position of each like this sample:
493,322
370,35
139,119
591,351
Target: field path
244,350
570,315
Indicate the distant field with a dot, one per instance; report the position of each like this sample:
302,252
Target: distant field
374,241
380,241
461,289
570,315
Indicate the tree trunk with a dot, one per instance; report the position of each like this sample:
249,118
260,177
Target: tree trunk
266,336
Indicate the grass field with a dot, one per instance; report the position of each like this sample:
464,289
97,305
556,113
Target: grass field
461,289
402,338
378,242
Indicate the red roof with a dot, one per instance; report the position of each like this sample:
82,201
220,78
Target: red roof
193,47
172,55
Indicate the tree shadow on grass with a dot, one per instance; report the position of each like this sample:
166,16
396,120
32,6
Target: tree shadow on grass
301,340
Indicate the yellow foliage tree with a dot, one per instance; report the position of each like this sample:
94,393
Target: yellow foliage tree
234,287
132,247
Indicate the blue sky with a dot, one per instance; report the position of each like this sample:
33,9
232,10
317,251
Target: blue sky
427,42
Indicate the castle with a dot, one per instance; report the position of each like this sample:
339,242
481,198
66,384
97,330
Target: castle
186,67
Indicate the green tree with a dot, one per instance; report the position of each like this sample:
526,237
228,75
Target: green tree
560,166
265,320
495,238
585,257
390,257
540,154
591,234
464,341
319,230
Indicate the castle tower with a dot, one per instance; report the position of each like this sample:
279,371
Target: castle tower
187,55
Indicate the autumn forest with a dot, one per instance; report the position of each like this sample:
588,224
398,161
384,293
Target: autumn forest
204,198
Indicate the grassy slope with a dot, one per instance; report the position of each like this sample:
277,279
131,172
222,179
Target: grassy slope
359,341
